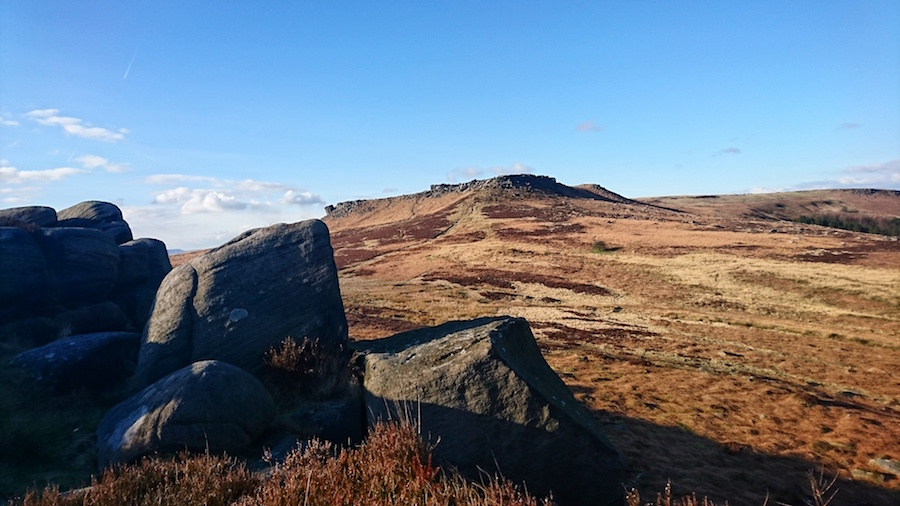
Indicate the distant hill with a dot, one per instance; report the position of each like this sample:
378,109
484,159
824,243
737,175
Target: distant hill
860,210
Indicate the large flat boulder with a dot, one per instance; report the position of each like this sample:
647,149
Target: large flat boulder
102,216
208,405
237,301
484,393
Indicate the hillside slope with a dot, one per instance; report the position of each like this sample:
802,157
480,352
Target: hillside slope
723,349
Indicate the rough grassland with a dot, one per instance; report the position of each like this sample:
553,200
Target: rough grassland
726,353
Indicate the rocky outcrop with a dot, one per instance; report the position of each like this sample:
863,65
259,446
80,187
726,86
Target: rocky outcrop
93,361
82,263
483,391
101,216
209,405
49,265
239,300
35,216
23,270
143,263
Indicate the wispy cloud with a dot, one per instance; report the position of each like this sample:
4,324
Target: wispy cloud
12,175
468,173
170,179
204,194
8,122
848,126
75,126
728,151
588,126
94,161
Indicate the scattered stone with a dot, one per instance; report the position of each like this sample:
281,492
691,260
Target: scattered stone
93,361
887,466
239,300
861,474
484,393
209,405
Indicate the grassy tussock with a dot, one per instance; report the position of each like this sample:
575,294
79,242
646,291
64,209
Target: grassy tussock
393,467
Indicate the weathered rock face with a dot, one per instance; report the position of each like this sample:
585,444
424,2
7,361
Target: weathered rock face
101,216
23,271
83,263
239,300
143,263
93,361
39,216
484,389
47,265
208,404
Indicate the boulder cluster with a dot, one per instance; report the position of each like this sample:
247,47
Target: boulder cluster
76,286
202,376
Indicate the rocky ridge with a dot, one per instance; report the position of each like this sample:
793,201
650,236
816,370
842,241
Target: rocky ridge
507,185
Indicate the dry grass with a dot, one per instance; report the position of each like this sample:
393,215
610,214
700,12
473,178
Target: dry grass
392,467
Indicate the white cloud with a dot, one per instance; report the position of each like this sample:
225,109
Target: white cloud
464,174
516,168
75,126
201,230
848,125
199,201
94,161
169,179
8,122
300,198
91,161
18,196
12,175
883,174
728,151
588,126
203,194
469,173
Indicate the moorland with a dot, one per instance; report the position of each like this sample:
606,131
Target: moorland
727,343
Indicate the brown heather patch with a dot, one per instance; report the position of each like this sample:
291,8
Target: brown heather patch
393,467
553,230
506,279
350,256
371,323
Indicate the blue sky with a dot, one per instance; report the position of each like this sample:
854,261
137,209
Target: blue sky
203,119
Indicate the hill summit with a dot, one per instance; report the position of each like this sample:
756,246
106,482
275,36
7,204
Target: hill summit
514,185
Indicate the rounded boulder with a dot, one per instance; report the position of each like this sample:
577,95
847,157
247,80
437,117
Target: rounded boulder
208,405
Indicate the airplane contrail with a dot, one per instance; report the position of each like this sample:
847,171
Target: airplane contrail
132,62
